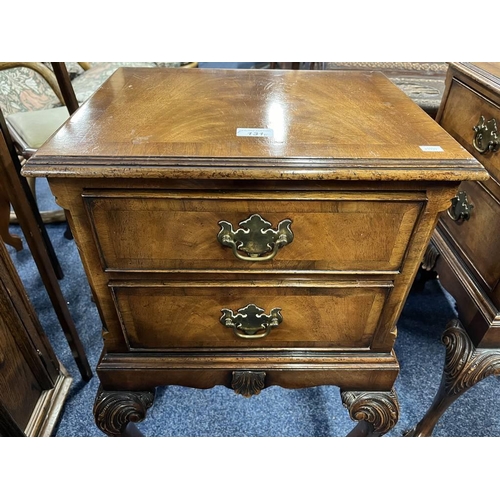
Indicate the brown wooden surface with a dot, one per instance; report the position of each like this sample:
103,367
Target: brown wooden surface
33,385
477,312
469,249
204,369
69,195
23,200
491,68
196,113
184,228
156,316
10,239
65,85
19,386
485,74
358,123
462,112
467,265
31,224
148,167
476,247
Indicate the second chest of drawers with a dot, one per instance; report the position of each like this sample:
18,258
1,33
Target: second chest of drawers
464,247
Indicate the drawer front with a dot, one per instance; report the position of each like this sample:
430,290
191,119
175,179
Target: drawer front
478,238
463,110
168,231
201,315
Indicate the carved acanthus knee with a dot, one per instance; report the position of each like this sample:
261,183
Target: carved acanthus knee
465,365
379,409
113,410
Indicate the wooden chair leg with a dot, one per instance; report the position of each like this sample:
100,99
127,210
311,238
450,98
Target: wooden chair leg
71,102
15,184
48,216
10,239
32,185
26,195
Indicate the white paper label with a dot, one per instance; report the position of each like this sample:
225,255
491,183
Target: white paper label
254,132
431,149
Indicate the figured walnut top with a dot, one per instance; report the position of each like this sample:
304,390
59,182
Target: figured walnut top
486,73
146,122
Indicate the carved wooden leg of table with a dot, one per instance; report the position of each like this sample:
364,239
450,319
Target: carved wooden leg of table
465,366
116,412
376,412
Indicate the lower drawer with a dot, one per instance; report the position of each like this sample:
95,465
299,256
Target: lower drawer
166,315
479,315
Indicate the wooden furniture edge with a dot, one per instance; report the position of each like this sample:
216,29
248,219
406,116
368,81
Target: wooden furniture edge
48,410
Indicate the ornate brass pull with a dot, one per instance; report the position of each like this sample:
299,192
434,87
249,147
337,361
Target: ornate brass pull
461,208
250,320
486,136
255,237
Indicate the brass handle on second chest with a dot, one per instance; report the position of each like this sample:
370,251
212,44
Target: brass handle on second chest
251,319
255,240
486,136
461,208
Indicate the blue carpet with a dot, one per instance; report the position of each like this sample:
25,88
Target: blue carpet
180,411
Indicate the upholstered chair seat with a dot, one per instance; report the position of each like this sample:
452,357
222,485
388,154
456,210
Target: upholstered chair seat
35,127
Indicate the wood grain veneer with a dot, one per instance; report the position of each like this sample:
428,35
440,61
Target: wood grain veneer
150,165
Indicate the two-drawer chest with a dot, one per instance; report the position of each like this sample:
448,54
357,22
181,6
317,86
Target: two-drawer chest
464,247
250,228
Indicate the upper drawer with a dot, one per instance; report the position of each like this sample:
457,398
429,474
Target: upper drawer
179,231
462,112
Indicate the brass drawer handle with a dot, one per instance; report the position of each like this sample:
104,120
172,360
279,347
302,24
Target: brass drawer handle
256,238
461,208
486,136
250,320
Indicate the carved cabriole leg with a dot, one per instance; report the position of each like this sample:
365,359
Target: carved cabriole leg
430,257
114,411
376,412
464,367
426,272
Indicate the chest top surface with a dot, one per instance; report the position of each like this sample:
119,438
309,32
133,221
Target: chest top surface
492,68
307,123
485,73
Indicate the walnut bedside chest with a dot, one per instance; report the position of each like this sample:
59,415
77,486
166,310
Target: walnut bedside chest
464,247
250,228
